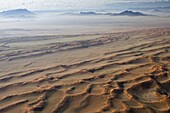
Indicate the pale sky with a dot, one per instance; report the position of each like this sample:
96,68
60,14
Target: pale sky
58,4
47,3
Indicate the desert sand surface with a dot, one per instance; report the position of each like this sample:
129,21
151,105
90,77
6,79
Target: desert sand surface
116,72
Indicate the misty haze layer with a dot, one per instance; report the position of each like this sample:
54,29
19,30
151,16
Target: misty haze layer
53,23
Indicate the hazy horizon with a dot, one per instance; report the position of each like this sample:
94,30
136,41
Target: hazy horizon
59,22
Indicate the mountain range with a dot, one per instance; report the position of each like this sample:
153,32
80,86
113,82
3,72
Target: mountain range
124,13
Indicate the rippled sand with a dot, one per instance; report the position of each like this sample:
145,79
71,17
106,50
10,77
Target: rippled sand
123,72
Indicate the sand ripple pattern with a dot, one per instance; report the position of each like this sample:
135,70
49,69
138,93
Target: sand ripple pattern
131,75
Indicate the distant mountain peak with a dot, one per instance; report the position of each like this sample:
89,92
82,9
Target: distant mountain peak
17,13
130,13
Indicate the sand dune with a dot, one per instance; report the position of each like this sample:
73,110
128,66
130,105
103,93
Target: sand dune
123,72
